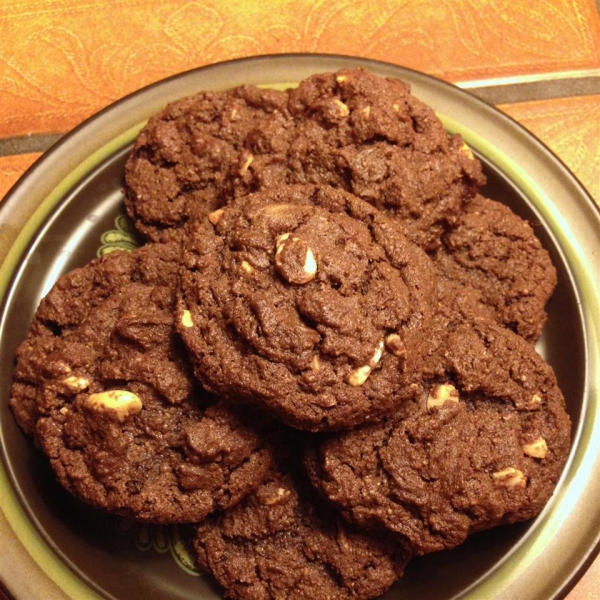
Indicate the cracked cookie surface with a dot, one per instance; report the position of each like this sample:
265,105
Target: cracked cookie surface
370,136
104,386
197,153
307,302
352,130
484,445
495,253
283,541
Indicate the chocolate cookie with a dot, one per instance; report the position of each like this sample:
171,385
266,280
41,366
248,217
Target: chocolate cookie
496,253
371,136
351,130
200,151
47,373
484,445
307,302
104,385
282,541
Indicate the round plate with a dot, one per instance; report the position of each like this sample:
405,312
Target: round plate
68,207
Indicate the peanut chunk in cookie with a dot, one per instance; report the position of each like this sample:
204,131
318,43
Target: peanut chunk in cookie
76,383
343,108
294,259
536,449
125,404
186,319
246,164
360,375
395,345
510,477
441,394
215,216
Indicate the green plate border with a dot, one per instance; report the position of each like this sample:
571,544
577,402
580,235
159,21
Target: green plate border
581,463
43,555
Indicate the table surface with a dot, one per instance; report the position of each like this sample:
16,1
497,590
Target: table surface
537,60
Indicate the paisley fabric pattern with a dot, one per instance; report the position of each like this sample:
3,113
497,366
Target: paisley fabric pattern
62,60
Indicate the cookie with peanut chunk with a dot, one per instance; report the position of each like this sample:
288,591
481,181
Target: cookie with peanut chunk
283,541
352,130
307,302
371,136
484,445
201,150
104,386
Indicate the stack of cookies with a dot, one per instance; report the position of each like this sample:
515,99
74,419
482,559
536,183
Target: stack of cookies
323,356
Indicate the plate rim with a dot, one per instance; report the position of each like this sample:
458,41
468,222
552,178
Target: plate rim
32,176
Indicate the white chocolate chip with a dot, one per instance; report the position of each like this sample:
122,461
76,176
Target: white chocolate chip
215,216
125,404
316,363
287,264
536,449
186,319
441,394
366,111
343,108
281,495
246,266
395,345
510,477
76,384
359,376
234,113
341,78
246,164
396,107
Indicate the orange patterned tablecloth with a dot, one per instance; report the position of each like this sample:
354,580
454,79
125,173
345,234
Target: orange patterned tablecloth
63,60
